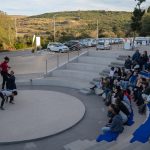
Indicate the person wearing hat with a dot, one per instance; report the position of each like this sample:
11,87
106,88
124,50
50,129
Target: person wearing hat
4,67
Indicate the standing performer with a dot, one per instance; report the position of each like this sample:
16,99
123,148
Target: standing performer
5,94
4,70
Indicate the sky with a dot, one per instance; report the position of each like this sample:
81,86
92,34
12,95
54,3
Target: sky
35,7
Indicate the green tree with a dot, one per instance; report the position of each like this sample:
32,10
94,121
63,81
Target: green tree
136,19
146,25
7,31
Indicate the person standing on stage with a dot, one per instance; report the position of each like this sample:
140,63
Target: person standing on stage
4,67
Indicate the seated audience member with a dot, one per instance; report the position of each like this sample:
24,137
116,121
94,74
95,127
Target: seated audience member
127,96
112,72
4,94
106,86
118,92
116,123
145,59
117,72
124,112
128,63
133,79
136,56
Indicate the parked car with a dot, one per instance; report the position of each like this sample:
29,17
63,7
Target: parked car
103,46
88,42
73,45
57,47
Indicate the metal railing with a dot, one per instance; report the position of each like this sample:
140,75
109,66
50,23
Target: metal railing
27,65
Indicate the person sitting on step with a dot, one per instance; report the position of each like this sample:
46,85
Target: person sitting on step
116,123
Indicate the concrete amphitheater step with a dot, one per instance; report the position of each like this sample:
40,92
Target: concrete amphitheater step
105,73
75,74
116,64
79,145
96,60
63,82
85,67
104,54
86,91
101,146
122,57
131,146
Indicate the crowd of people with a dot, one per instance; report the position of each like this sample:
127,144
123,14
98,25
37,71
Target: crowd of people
123,87
9,89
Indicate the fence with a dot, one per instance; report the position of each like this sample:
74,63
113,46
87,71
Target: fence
29,66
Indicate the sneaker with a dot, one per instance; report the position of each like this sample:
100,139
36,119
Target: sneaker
11,102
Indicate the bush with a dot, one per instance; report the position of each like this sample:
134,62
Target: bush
19,45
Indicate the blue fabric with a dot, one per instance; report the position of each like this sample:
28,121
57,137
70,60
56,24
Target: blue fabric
108,136
142,134
130,121
145,74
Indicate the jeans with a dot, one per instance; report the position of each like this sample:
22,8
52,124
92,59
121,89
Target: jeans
3,100
124,84
5,78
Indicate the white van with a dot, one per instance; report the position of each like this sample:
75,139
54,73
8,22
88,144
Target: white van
103,46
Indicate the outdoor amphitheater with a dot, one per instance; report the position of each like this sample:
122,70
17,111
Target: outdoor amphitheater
58,111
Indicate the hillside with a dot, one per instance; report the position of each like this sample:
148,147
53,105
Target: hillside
78,23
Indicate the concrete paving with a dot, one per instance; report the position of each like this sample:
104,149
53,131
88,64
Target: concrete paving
38,114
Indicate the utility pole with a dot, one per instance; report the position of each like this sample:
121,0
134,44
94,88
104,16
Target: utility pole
97,28
16,27
54,27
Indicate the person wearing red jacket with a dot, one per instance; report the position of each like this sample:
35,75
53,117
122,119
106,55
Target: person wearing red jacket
4,70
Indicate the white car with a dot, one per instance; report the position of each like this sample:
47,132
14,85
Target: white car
57,47
103,46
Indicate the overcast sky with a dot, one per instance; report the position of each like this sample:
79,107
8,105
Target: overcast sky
34,7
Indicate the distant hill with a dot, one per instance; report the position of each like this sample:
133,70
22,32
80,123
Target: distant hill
113,22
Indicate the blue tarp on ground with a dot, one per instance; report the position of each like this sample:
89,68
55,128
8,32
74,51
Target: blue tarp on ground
142,134
108,136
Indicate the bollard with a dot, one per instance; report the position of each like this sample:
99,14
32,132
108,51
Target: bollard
46,66
78,52
57,60
68,56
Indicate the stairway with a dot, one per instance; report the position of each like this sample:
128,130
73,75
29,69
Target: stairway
122,142
79,73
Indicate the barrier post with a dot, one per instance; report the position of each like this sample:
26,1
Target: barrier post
68,56
57,60
46,66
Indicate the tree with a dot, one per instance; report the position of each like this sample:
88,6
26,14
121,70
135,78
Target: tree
7,31
136,19
146,25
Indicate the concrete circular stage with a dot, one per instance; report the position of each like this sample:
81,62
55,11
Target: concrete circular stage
38,114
